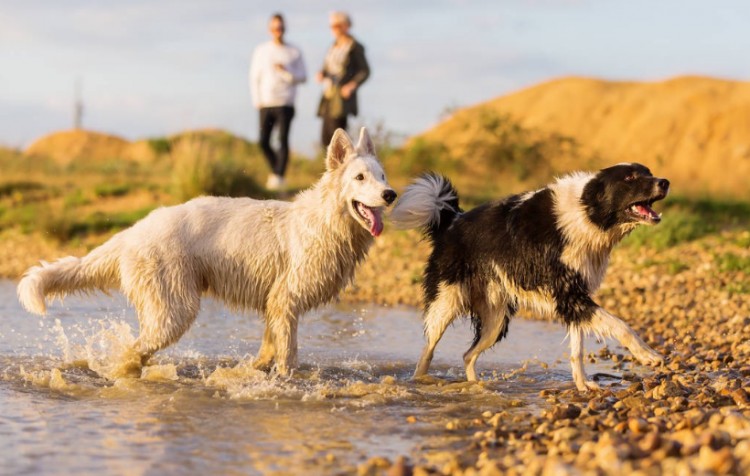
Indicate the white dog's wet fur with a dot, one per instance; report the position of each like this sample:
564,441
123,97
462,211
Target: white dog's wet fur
278,258
545,251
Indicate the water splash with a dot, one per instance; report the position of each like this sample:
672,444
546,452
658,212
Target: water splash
110,352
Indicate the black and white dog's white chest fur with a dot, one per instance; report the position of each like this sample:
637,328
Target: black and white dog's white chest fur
545,251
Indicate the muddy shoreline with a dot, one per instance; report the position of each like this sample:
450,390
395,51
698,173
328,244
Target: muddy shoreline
690,416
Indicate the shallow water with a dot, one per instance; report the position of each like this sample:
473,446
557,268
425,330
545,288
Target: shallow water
199,407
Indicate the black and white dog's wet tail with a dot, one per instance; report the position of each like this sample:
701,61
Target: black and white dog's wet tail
429,203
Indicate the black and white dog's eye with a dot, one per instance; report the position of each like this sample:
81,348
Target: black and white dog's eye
360,177
630,178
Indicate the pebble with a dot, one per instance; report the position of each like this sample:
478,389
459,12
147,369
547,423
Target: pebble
400,468
638,425
720,462
741,398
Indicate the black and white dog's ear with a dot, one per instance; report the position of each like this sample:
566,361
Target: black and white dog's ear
339,149
365,145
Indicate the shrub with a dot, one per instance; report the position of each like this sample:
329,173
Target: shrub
201,173
112,189
422,155
160,145
11,188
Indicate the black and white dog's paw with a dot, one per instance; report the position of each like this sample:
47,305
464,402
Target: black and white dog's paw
650,357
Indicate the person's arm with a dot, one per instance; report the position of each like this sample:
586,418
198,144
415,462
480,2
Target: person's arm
254,78
361,70
322,73
361,67
299,72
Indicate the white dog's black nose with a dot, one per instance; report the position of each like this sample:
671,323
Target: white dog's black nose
389,196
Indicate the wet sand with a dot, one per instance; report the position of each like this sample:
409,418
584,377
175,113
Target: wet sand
690,416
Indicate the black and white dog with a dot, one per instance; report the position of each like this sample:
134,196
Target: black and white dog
545,251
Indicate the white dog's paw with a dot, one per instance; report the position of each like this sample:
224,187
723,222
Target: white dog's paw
588,386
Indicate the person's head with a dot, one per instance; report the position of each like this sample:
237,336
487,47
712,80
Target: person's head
276,27
340,24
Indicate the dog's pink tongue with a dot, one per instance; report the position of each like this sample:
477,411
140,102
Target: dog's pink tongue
376,220
647,212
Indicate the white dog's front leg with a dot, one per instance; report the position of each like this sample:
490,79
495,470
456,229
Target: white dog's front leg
284,329
267,351
576,360
605,324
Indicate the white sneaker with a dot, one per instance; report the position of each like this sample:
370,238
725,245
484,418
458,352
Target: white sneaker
275,182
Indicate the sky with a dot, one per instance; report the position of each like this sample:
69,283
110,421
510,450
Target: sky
155,67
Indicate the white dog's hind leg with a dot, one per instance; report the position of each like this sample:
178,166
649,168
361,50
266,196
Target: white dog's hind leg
605,324
440,313
576,360
166,308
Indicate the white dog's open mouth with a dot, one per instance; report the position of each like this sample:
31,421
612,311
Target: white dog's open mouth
371,217
643,212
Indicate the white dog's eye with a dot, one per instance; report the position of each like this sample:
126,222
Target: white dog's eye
382,176
360,177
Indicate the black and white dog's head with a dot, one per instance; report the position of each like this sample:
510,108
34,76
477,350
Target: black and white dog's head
622,196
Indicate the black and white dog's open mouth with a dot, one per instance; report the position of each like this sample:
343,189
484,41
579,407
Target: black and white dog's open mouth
642,211
373,217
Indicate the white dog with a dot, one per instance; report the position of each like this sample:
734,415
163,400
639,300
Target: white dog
279,258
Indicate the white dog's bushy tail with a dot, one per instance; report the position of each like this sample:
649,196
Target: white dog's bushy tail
430,203
97,270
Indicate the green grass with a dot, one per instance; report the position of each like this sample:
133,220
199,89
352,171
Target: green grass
730,262
20,187
66,226
113,189
37,194
671,266
742,287
77,198
676,267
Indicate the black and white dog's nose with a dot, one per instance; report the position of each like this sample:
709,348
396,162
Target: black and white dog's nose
663,184
389,196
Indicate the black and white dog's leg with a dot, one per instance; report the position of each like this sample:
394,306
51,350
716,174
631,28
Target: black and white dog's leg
438,315
492,324
577,334
605,324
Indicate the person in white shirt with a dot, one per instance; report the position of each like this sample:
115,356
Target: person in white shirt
276,69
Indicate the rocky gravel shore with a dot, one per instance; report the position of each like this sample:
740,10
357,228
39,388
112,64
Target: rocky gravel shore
690,416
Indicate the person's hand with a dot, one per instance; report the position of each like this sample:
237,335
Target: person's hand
348,89
319,77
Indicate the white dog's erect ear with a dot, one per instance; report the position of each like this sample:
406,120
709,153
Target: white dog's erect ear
339,149
365,145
